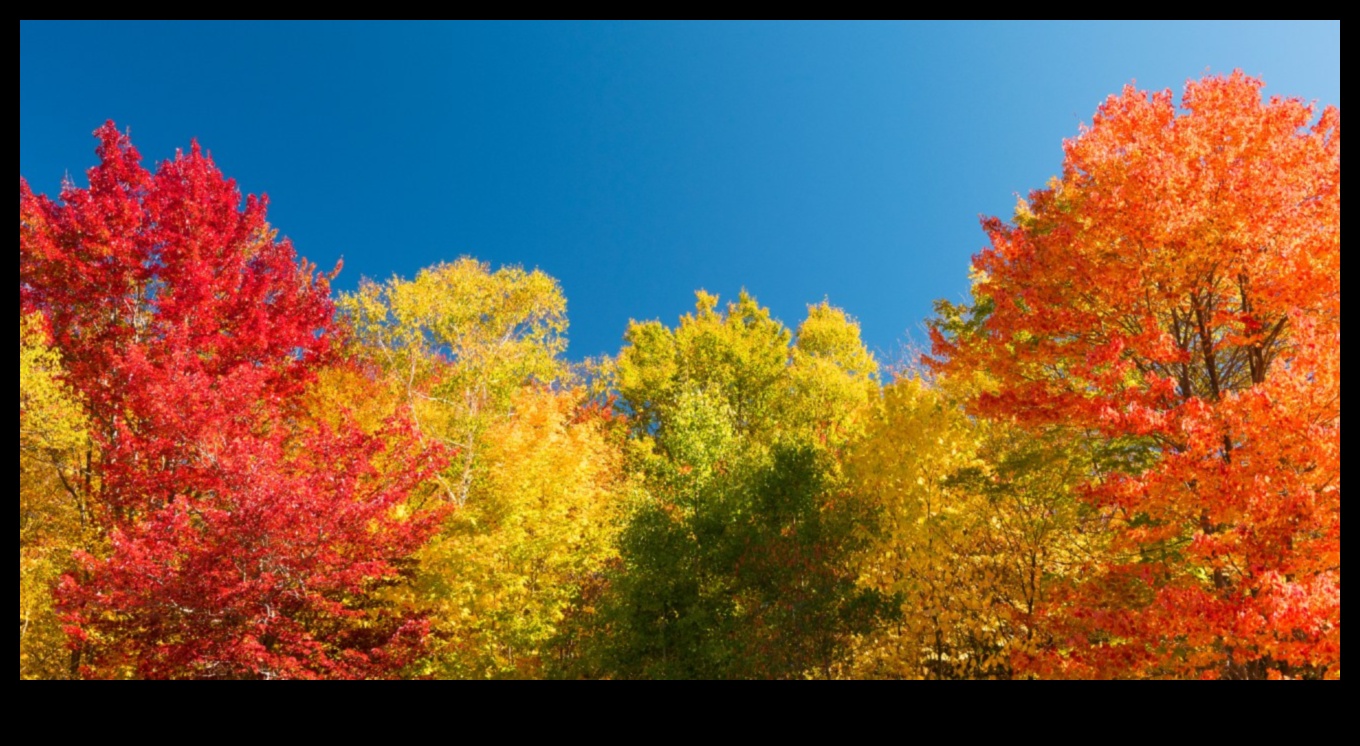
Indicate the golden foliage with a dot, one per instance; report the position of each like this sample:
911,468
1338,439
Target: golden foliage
976,522
54,513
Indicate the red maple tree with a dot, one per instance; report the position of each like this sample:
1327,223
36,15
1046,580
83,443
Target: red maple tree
244,539
1177,295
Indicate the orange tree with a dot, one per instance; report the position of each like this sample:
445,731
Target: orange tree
1176,295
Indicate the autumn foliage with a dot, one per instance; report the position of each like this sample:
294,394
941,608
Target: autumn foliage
240,542
1120,459
1176,294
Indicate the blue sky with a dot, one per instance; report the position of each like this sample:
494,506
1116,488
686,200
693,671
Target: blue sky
635,162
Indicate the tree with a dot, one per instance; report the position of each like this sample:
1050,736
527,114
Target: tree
1176,293
243,540
473,356
540,522
735,562
456,343
979,522
54,521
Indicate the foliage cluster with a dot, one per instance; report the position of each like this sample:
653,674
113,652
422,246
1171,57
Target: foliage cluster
1121,459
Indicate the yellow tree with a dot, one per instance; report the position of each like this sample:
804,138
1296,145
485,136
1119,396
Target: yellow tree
473,357
540,523
54,514
456,343
977,520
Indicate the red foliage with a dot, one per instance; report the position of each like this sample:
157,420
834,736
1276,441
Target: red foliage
244,541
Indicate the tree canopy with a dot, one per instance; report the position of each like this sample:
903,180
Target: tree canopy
1119,458
1177,294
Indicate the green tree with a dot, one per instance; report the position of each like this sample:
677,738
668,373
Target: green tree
735,562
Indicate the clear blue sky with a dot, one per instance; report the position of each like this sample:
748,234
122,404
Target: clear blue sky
634,162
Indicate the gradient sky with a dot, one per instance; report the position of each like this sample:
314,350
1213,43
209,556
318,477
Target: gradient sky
635,162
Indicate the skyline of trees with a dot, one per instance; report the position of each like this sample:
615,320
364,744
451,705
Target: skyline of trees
1120,458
